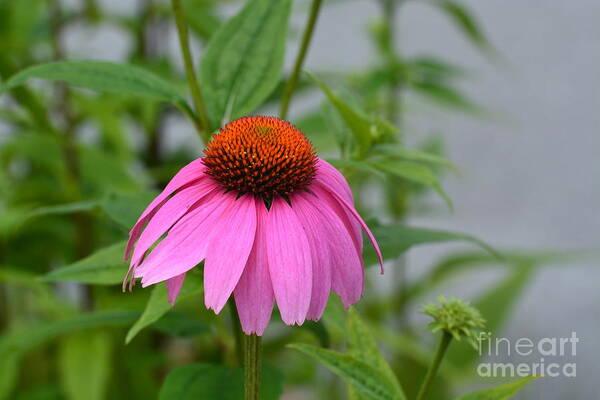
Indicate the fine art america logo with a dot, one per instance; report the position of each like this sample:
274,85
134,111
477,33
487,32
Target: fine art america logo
549,356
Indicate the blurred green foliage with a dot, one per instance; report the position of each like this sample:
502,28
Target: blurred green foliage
79,165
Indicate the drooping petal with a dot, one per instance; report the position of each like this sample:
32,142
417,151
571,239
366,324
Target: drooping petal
319,239
175,207
347,276
187,242
186,175
228,252
350,208
289,261
352,226
174,286
334,181
327,174
254,292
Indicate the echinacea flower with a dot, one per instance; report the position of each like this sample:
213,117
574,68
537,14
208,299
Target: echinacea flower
271,220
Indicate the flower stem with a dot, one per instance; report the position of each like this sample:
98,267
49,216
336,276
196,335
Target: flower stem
306,37
252,366
202,125
435,365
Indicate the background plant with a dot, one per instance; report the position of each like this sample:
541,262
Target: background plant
79,165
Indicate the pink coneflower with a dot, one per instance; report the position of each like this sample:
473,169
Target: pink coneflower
271,220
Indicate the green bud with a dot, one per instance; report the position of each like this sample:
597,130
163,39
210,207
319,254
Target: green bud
457,317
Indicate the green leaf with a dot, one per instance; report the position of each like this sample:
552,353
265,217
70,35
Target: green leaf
102,76
496,304
366,380
463,19
447,96
60,209
414,155
211,381
202,17
244,59
181,325
103,171
358,124
355,165
9,371
125,208
502,392
23,339
415,173
84,361
362,345
158,304
320,331
395,239
104,267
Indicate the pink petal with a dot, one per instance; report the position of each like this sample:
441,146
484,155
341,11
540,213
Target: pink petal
174,286
254,292
187,174
350,208
347,276
175,207
319,239
290,264
332,178
228,252
352,226
187,242
334,181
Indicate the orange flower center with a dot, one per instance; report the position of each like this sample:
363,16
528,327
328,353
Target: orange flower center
266,156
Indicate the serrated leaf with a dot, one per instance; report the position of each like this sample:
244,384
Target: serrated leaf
367,380
395,239
244,59
413,172
101,76
125,209
362,345
80,378
104,267
359,125
211,381
158,304
502,392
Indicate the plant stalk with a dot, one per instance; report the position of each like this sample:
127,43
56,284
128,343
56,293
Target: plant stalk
182,30
435,365
306,38
252,367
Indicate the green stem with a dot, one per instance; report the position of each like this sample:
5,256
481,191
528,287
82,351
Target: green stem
389,11
306,37
182,30
252,366
435,365
237,332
